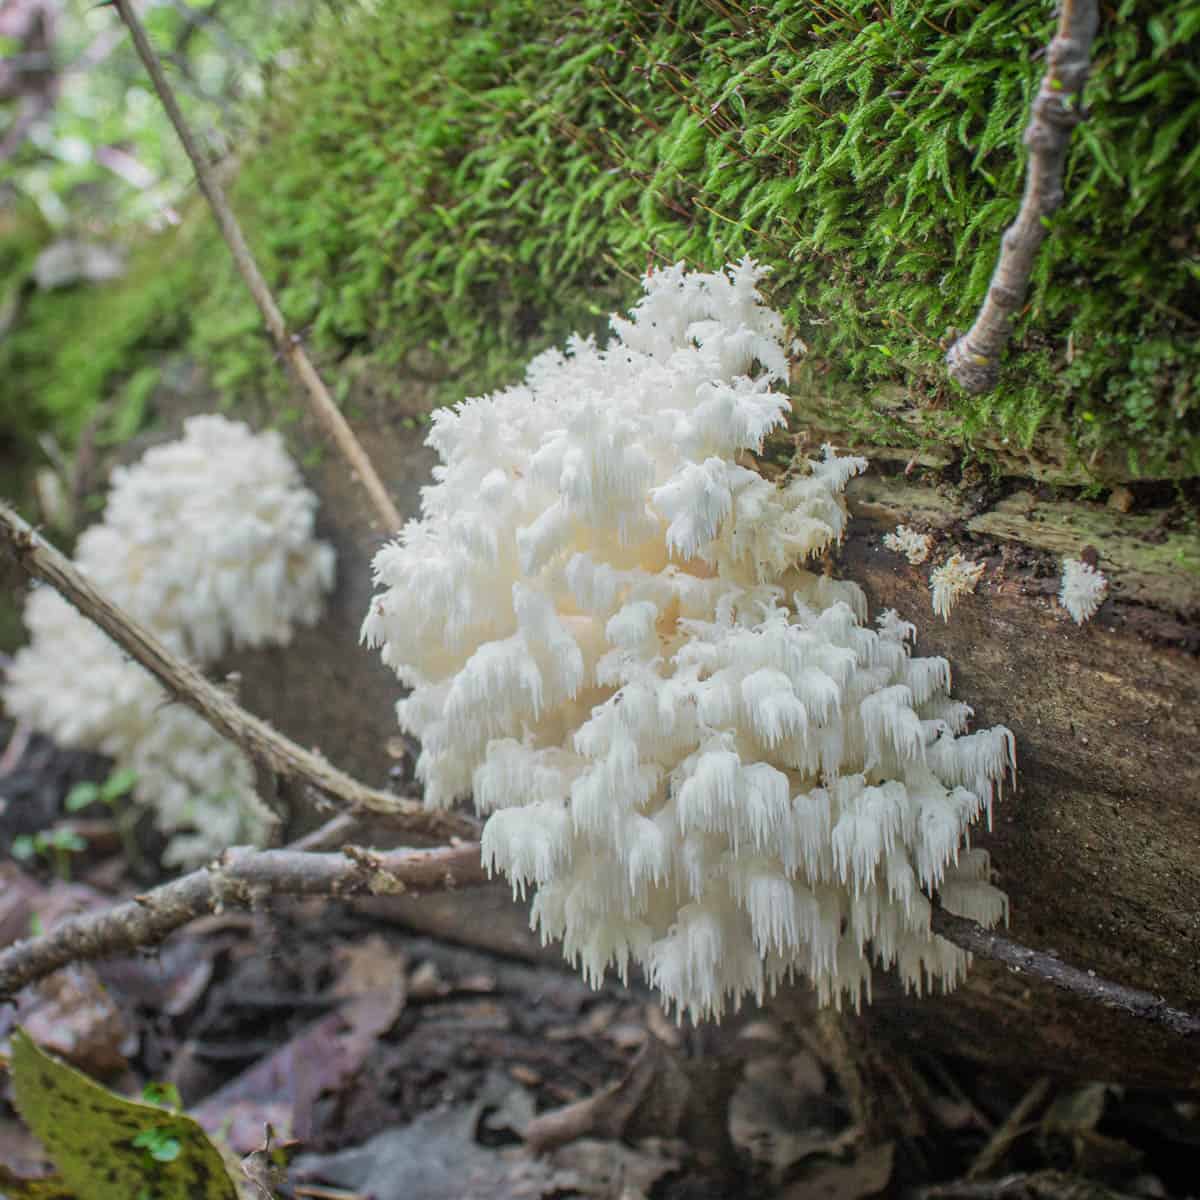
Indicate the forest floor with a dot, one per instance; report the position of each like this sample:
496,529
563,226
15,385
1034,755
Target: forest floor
404,1064
405,1067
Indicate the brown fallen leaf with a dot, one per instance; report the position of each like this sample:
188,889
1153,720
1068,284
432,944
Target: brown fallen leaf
172,979
71,1014
606,1169
283,1088
435,1157
372,984
651,1099
867,1175
23,900
22,1152
18,891
778,1114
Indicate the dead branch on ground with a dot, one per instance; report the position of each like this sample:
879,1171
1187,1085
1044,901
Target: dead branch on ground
241,878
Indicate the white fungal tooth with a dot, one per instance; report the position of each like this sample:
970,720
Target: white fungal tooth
692,746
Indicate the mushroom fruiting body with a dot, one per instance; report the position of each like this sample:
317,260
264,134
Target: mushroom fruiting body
209,541
1083,589
688,744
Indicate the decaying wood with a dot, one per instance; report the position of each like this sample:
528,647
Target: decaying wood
1098,846
1157,568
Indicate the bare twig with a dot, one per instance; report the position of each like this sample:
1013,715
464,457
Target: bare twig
275,753
330,836
1014,1125
240,877
967,935
974,360
287,343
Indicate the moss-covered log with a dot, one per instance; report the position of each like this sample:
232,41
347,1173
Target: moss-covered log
1097,845
450,185
440,189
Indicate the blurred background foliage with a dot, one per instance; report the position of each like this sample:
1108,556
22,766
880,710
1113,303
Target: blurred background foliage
438,189
94,190
83,141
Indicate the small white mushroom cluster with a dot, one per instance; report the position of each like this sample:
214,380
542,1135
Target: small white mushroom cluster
689,745
1082,590
913,545
209,541
956,577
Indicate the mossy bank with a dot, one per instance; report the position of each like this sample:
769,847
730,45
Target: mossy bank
439,189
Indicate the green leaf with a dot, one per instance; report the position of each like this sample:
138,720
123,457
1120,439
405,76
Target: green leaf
109,1148
165,1095
118,784
67,839
81,795
161,1143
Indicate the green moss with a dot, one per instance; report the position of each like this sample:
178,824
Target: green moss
465,181
479,179
88,352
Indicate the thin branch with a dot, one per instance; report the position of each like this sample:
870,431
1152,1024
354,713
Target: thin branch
333,834
287,343
974,360
276,754
967,935
1014,1125
241,877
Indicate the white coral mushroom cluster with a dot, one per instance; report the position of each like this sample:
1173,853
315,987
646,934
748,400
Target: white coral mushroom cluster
913,545
1083,589
689,745
209,541
956,577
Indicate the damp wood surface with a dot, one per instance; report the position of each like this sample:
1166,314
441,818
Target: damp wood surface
1098,846
1148,559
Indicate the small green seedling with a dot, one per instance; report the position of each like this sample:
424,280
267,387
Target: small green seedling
88,792
56,844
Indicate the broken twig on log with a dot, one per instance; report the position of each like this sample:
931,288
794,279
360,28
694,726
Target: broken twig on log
967,935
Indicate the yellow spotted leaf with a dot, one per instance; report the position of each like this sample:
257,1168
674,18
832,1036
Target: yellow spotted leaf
109,1148
14,1187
